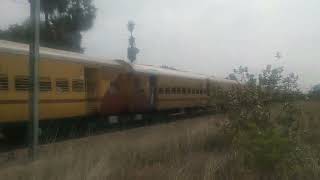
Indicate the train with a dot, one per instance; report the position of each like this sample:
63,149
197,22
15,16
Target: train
74,87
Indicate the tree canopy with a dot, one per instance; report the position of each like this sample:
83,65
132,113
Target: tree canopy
62,22
271,80
316,88
315,91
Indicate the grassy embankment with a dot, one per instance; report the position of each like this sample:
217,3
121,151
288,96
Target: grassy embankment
181,150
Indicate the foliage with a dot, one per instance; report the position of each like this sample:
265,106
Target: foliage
266,140
271,80
315,92
316,88
64,21
242,76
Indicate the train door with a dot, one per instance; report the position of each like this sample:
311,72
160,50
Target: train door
152,90
208,90
91,78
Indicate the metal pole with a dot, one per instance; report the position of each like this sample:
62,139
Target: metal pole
34,77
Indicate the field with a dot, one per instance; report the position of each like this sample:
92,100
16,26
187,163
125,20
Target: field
188,149
178,150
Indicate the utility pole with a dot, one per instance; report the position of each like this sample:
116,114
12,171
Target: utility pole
34,78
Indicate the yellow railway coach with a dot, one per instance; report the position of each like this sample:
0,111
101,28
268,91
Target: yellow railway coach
71,84
176,89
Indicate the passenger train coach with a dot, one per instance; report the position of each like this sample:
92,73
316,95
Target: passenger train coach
74,87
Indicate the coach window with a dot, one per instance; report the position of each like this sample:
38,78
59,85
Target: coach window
62,85
205,92
160,90
173,90
178,90
167,91
189,91
4,82
183,90
197,91
201,91
193,91
45,84
77,85
22,83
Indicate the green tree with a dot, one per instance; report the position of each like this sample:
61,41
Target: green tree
262,133
243,76
64,20
270,79
279,86
315,92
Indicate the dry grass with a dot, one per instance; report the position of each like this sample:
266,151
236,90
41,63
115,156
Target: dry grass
179,150
185,150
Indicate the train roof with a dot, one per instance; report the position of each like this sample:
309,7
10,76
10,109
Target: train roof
222,80
20,48
150,69
61,55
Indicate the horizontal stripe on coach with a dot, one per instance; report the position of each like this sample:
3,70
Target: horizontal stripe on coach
182,99
22,101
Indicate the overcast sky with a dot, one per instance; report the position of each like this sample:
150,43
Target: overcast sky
206,36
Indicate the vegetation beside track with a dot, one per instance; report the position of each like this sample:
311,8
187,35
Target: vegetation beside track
190,149
269,128
163,151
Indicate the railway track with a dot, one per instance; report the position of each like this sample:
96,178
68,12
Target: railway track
16,151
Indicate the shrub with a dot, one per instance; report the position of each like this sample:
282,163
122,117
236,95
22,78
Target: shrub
263,128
